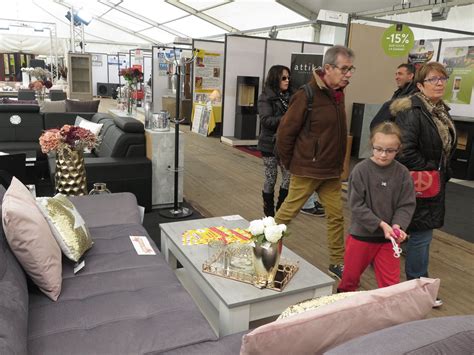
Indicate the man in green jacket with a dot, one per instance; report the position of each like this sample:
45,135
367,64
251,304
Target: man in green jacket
312,146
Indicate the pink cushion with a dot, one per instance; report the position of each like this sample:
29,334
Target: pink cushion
319,330
30,239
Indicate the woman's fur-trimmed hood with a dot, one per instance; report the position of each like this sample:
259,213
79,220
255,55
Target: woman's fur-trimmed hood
400,105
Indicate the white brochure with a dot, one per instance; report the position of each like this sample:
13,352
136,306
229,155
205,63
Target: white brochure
142,245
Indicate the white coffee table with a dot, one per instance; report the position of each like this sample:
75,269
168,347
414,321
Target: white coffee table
229,305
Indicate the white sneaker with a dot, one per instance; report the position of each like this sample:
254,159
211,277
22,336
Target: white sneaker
438,303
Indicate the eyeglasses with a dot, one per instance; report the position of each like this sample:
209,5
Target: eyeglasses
285,78
434,80
388,151
345,70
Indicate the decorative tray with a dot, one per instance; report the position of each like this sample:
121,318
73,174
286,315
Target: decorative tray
218,265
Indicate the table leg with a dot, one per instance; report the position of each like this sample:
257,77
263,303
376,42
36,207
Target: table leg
233,320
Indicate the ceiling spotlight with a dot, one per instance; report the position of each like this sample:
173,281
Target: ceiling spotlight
80,17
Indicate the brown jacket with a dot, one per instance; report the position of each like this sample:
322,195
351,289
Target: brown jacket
315,149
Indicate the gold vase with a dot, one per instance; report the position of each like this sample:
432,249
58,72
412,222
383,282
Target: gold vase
70,175
265,263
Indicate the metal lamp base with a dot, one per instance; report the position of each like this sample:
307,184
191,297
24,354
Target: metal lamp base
181,212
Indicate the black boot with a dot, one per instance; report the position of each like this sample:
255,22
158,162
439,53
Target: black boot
281,197
268,204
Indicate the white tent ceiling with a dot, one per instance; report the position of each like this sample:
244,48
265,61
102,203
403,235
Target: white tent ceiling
142,23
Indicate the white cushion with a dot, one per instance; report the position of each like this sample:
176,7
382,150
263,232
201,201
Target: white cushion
91,126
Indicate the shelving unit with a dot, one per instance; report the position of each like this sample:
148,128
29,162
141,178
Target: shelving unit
80,76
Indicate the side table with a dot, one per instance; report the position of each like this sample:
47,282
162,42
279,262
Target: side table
160,150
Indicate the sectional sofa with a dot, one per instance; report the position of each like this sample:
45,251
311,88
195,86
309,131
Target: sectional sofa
124,303
120,161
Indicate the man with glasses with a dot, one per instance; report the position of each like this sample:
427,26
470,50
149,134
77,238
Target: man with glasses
406,87
312,146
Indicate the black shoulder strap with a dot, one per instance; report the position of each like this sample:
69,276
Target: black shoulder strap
309,104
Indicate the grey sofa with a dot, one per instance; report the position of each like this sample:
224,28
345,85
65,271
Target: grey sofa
123,303
119,303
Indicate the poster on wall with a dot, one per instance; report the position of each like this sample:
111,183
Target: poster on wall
208,77
162,64
202,114
397,40
422,52
459,62
302,65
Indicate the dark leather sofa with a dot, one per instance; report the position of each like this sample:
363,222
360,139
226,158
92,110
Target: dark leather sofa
120,160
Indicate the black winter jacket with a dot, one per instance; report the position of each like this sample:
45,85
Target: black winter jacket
270,111
422,150
384,112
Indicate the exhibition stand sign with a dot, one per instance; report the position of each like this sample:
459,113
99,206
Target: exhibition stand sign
397,40
302,66
459,62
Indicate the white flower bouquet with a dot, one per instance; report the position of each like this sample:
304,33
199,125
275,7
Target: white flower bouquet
266,230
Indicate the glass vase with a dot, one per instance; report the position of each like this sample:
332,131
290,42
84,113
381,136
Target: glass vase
99,189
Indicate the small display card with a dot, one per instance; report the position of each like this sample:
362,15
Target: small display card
142,245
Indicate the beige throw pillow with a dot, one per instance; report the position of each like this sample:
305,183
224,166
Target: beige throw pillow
319,330
53,106
30,239
67,225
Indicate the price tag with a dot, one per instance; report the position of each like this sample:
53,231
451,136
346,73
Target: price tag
397,40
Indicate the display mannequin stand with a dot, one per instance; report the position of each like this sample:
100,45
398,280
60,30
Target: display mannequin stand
177,212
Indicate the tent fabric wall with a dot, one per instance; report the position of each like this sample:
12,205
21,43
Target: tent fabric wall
31,44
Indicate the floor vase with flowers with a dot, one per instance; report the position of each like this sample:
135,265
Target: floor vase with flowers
266,258
70,175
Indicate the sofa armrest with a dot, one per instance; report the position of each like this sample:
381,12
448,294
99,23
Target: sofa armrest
120,174
107,209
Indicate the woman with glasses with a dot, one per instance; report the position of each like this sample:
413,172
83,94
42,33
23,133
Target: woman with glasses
272,105
429,141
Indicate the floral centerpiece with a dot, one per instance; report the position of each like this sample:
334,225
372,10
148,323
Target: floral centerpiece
132,76
43,80
67,138
69,143
266,230
267,239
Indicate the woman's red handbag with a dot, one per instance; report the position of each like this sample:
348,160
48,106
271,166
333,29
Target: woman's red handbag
427,183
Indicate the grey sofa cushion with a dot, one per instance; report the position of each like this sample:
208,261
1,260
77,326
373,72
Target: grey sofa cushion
228,345
116,143
423,337
120,303
13,299
96,211
82,106
129,124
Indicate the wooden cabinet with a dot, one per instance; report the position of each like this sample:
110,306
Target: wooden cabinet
80,76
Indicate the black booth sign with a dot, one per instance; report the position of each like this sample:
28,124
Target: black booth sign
302,65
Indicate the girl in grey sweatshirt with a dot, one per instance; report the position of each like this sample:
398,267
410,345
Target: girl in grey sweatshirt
382,201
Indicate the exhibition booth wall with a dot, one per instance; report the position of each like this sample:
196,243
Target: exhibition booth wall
252,57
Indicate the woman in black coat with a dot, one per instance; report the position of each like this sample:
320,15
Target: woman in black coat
272,105
429,140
